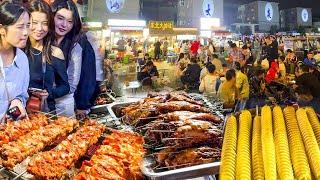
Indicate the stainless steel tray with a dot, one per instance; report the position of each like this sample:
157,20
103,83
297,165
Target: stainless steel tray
182,173
114,106
148,162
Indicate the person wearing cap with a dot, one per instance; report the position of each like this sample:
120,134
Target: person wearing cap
309,61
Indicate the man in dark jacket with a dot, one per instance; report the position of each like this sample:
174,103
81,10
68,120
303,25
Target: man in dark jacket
147,73
271,49
87,83
157,50
308,80
191,75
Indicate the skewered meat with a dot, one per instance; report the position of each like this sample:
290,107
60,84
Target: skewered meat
119,158
184,115
145,103
135,114
54,163
188,136
183,134
183,96
180,106
176,96
101,100
189,157
14,129
33,142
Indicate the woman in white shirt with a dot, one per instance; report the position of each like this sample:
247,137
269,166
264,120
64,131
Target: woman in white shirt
14,68
208,82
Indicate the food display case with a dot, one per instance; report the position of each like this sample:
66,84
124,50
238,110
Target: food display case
170,135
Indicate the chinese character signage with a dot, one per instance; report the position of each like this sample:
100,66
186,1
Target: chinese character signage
161,25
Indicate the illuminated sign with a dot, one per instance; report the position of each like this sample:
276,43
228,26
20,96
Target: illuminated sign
114,6
209,23
161,25
268,11
126,23
304,15
208,8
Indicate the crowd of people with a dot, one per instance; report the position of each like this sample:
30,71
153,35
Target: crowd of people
47,61
243,81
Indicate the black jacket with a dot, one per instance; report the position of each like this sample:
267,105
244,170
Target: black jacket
193,73
56,73
272,51
87,83
311,82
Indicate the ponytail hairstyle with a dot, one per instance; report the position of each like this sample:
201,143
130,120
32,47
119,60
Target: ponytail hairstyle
43,7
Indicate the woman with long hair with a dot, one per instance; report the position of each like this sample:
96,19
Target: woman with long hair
78,53
14,68
67,29
46,62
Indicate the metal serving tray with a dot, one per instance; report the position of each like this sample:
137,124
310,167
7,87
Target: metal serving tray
182,173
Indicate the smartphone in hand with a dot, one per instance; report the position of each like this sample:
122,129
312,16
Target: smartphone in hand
14,113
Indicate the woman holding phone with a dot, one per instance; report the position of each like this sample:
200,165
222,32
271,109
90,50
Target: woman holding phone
14,68
47,64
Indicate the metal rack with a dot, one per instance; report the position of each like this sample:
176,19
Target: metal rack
216,107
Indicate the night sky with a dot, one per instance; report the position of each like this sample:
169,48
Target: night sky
230,8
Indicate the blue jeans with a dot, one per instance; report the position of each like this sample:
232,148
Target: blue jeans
241,105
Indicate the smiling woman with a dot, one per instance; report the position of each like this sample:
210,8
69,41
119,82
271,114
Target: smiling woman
47,65
14,69
67,30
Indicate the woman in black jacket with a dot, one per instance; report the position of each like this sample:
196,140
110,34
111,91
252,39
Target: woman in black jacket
46,62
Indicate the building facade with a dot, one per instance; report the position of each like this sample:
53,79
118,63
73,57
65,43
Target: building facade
159,10
265,15
293,18
191,11
102,10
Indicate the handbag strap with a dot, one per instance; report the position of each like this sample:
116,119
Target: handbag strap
44,69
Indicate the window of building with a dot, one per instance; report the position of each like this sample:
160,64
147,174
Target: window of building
181,2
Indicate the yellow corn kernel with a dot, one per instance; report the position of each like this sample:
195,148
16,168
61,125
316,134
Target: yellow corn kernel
296,147
243,169
315,123
284,165
268,147
310,142
256,159
229,150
